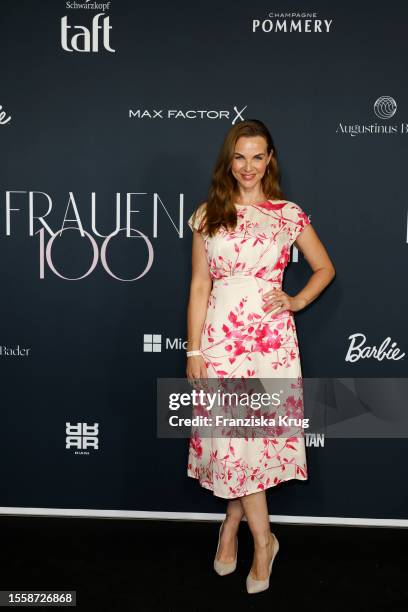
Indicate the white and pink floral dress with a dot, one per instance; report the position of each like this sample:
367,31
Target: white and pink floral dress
240,340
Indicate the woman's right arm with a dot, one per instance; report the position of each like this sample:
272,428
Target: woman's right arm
200,289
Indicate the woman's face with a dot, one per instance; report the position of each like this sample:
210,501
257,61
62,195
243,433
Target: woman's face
250,160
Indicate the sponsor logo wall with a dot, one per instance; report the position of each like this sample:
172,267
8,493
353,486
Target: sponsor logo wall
111,118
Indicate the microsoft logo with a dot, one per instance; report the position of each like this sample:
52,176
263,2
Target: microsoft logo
153,343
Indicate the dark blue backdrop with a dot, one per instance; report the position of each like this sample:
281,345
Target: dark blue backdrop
77,123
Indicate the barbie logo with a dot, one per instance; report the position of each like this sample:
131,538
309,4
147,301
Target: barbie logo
3,120
359,350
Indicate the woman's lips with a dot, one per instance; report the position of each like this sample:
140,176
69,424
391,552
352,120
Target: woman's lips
248,177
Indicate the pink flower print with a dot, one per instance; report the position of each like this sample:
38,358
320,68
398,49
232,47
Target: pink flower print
303,218
283,258
195,444
271,206
301,471
226,330
265,340
242,342
260,238
261,272
239,348
252,316
234,320
276,341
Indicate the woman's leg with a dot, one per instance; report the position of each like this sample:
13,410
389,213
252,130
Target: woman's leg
256,511
228,542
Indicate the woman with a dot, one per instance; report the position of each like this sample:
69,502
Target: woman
241,324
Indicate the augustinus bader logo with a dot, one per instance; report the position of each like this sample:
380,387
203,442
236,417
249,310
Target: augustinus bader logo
90,38
14,351
177,113
81,437
292,23
155,343
385,107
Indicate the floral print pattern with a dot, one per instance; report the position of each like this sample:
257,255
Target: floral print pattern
239,340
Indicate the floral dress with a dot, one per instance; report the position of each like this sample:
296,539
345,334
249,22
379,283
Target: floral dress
239,340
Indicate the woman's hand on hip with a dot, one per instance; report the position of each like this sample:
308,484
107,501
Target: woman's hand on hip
278,301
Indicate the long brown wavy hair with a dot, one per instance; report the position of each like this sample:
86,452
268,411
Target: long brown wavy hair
220,207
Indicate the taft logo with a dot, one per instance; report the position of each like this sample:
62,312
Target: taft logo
291,23
81,437
358,349
192,113
154,343
86,40
3,118
14,351
384,108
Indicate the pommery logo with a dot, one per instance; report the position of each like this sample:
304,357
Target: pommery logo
384,108
292,23
191,113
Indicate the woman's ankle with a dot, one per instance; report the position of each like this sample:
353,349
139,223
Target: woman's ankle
263,541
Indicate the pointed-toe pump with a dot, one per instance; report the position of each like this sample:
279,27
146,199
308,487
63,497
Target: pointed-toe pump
220,567
256,586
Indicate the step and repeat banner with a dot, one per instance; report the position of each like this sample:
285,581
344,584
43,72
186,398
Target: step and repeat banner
111,118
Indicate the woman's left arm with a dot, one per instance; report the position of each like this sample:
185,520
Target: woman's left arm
309,243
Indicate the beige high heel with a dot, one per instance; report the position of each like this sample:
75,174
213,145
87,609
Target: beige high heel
220,567
256,586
